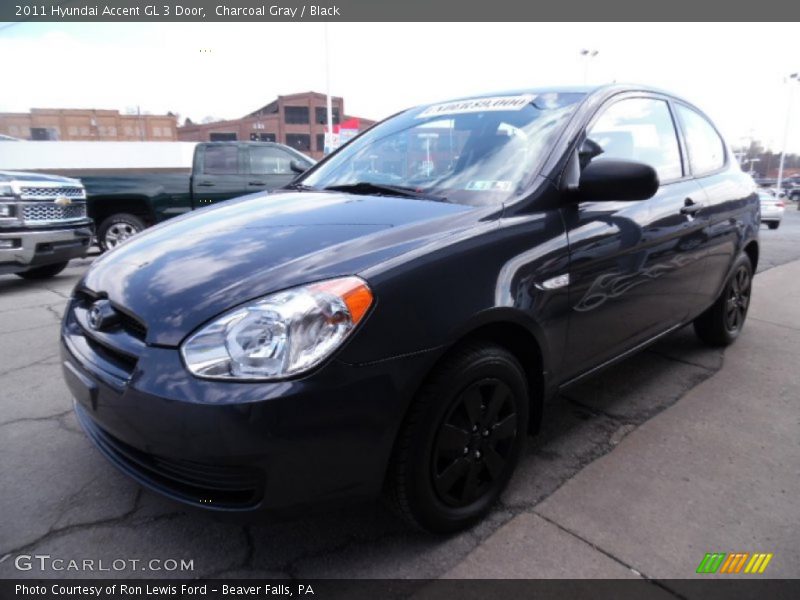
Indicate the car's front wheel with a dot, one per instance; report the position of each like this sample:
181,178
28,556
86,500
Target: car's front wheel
721,324
461,439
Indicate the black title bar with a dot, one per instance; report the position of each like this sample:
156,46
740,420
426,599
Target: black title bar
397,10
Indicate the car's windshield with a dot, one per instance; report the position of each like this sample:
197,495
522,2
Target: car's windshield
475,151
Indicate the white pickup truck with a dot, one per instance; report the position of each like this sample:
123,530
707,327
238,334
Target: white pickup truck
43,223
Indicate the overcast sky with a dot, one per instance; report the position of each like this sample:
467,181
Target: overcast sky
735,72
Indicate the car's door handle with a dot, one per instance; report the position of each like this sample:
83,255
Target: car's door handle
204,184
690,207
256,183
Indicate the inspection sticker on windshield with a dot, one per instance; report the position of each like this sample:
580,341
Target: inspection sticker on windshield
478,105
501,186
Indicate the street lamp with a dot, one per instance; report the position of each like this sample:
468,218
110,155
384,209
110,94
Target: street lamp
795,77
587,55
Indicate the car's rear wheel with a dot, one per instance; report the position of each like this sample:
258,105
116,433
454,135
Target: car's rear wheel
44,272
774,224
117,229
461,440
721,324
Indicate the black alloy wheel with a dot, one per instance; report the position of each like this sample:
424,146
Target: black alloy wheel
474,444
461,439
722,323
738,299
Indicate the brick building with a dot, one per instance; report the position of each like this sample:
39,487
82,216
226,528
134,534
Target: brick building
297,120
79,124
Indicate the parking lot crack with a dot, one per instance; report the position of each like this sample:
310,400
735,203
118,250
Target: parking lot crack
35,419
683,361
55,531
782,325
609,555
35,363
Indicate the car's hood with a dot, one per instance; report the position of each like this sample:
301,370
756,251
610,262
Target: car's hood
180,274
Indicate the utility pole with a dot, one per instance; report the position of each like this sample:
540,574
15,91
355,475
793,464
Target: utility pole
794,77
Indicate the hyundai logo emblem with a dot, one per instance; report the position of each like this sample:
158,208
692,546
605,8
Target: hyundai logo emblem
101,315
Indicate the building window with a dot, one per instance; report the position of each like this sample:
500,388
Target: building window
299,141
320,142
72,130
222,136
112,131
321,114
85,131
128,130
44,133
296,115
156,131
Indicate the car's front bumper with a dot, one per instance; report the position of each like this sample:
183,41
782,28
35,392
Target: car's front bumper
234,446
34,248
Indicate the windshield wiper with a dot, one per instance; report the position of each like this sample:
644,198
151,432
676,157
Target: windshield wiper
368,187
300,187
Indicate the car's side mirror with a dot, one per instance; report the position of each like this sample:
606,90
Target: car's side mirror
608,179
297,167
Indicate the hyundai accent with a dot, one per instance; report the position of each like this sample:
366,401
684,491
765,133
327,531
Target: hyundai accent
392,323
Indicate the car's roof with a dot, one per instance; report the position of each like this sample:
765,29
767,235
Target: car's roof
575,89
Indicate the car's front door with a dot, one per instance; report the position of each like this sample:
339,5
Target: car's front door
269,167
634,267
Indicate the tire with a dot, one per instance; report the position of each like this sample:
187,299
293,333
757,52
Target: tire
721,324
460,441
774,224
45,272
116,229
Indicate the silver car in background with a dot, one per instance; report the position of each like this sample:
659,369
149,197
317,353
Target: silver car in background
772,209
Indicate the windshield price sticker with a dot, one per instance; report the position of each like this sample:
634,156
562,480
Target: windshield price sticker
478,105
482,186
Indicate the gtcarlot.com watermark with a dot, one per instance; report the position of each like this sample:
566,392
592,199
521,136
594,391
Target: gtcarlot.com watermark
48,563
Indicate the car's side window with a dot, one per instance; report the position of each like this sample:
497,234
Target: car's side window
268,160
639,129
221,160
704,145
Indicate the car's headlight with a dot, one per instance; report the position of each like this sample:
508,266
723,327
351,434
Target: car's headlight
280,335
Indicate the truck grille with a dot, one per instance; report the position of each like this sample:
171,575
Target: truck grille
48,211
41,193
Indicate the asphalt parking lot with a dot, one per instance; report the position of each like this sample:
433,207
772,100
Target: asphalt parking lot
603,445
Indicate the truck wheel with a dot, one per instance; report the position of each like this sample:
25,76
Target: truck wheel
44,272
118,228
721,324
774,224
461,440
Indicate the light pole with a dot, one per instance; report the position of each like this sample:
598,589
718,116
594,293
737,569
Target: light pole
587,55
328,145
792,77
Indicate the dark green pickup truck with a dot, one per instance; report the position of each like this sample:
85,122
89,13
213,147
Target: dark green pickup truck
125,203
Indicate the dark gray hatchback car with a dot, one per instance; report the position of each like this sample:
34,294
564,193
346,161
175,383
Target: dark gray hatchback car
394,320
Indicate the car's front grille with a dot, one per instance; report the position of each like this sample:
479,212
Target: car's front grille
210,486
40,193
117,344
49,211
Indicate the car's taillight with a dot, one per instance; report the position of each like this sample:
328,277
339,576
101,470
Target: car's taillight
779,204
